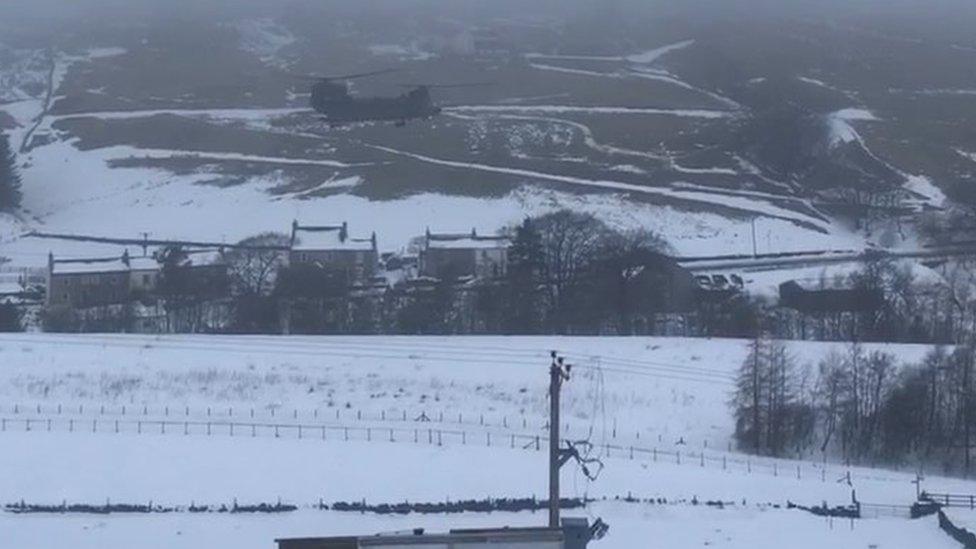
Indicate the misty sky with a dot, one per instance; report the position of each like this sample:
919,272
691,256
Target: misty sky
67,9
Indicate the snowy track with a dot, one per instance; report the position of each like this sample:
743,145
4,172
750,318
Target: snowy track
567,109
740,205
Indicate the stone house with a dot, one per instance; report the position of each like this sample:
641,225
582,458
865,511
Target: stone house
463,255
332,246
84,283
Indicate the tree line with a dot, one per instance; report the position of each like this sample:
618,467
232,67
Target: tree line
857,404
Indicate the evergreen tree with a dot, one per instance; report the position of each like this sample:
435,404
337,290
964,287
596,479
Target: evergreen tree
751,395
11,319
524,281
9,177
770,415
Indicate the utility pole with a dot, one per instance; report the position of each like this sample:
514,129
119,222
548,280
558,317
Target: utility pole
755,251
558,372
967,410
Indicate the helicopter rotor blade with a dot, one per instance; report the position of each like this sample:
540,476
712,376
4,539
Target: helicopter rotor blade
326,78
447,86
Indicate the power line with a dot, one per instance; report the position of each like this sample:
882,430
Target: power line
363,351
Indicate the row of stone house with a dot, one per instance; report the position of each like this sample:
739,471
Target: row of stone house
92,282
441,255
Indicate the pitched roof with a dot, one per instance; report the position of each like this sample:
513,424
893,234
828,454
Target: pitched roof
143,264
479,243
98,265
90,266
465,241
328,237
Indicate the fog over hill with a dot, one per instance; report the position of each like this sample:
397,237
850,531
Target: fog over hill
833,123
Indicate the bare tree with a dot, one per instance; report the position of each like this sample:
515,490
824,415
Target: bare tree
570,242
831,396
254,265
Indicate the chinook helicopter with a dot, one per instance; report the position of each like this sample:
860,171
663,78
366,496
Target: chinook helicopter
331,98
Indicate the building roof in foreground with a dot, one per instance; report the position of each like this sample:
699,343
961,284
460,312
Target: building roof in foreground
421,539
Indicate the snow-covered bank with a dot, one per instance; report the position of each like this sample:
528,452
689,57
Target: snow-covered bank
671,392
745,206
663,389
631,527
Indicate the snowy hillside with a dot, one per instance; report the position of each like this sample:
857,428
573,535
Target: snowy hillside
96,134
211,420
208,121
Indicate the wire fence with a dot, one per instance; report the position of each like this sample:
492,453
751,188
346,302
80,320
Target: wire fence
431,435
967,501
614,442
885,510
502,422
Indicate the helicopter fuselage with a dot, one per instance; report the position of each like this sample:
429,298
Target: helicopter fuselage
339,107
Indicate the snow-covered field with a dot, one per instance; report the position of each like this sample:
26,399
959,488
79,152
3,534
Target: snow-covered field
68,185
382,420
634,527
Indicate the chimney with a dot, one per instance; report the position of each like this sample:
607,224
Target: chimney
294,230
125,257
373,240
474,233
344,232
50,275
